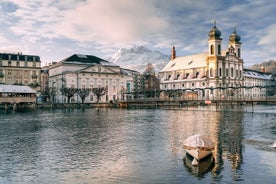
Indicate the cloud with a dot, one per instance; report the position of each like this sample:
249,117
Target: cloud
269,36
101,27
119,20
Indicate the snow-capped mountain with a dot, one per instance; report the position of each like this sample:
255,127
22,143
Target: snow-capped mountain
137,58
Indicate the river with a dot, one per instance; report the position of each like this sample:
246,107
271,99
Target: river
89,146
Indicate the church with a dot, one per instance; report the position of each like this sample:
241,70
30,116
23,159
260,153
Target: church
216,74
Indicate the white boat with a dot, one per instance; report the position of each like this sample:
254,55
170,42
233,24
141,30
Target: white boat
198,147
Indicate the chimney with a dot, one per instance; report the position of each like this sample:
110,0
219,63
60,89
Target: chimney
263,69
173,53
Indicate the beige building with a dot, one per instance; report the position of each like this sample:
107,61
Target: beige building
215,71
19,69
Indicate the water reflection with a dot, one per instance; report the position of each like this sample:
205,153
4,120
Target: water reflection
205,165
134,146
225,128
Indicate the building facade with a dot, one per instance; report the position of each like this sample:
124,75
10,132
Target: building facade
19,69
88,72
215,74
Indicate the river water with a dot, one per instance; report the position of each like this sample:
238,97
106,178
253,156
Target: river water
144,146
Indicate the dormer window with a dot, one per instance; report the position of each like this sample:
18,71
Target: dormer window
186,76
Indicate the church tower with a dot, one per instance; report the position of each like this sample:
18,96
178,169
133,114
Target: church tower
234,41
214,60
214,41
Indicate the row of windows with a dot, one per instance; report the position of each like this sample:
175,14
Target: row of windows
184,76
19,57
183,85
220,73
212,50
18,64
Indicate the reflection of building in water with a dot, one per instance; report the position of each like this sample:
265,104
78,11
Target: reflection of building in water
229,142
224,128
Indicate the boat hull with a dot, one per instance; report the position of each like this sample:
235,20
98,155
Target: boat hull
198,153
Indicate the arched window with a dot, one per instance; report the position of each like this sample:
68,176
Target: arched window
211,72
239,52
212,49
220,72
232,72
226,72
219,50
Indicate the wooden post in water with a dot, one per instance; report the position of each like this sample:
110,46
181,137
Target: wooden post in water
14,107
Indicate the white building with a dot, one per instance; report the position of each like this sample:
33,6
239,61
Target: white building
256,82
215,74
87,71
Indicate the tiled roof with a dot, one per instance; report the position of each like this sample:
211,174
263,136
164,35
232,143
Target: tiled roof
15,89
186,62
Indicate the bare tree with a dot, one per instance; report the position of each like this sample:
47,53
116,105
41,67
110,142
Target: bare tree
83,93
68,92
98,92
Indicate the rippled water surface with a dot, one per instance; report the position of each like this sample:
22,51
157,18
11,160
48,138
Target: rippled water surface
136,146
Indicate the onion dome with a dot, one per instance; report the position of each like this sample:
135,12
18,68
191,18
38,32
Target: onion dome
214,32
234,37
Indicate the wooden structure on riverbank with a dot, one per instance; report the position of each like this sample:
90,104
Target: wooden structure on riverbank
17,97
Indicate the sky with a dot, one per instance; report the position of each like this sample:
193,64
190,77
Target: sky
57,29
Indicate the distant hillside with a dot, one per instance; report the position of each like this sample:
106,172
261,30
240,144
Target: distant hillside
270,66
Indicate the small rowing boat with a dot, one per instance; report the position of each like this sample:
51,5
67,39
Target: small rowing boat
198,147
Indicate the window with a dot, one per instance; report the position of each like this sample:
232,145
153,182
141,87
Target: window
26,64
211,72
239,52
17,64
219,50
1,63
220,72
9,63
232,72
226,72
212,49
187,75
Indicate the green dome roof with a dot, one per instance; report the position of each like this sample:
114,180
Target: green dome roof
234,37
214,33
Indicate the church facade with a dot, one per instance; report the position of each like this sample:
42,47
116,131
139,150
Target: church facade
213,75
